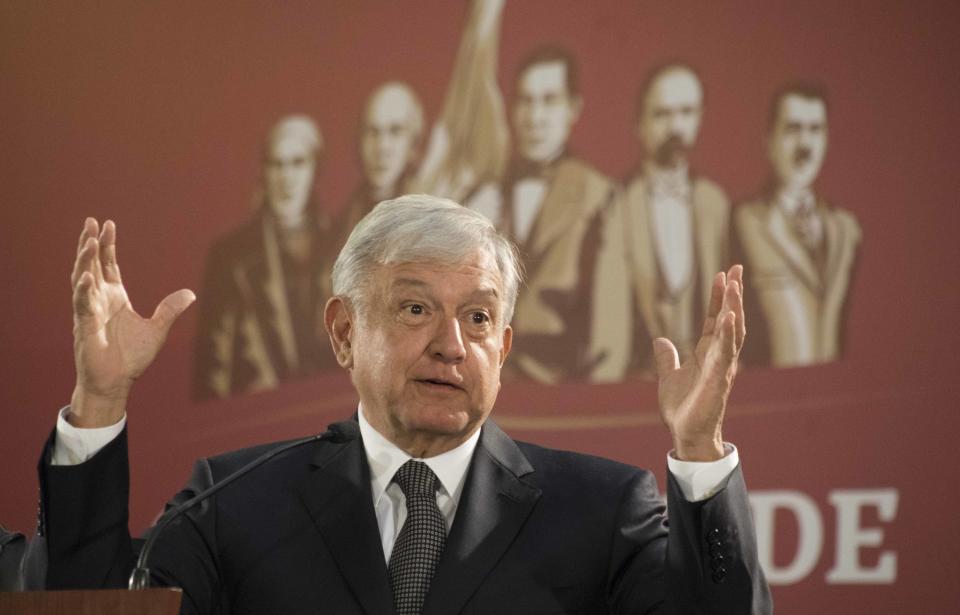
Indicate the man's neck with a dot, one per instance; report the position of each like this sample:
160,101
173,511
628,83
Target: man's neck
523,166
790,198
419,445
678,170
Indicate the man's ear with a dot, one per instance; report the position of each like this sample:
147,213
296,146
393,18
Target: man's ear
507,343
339,319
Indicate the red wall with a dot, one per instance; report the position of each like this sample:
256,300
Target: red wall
153,116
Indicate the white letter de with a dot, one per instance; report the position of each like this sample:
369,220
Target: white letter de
851,537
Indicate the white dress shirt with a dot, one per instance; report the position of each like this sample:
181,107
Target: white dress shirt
672,225
697,480
528,195
385,458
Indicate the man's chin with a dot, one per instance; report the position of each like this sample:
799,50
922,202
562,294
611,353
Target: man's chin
671,159
439,421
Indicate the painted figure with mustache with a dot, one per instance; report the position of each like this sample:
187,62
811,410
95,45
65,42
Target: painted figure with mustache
800,250
672,229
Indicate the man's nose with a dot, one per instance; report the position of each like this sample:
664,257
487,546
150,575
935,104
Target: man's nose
447,344
535,114
286,173
676,123
806,137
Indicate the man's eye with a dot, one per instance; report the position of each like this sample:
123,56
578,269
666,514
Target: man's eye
416,309
479,318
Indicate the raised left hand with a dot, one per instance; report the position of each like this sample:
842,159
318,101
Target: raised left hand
693,396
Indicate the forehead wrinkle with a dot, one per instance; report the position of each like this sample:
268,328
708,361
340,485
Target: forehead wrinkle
485,293
402,282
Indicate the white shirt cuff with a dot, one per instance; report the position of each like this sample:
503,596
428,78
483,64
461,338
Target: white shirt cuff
699,480
74,445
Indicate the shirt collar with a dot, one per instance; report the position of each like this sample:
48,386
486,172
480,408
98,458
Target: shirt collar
385,458
673,182
794,201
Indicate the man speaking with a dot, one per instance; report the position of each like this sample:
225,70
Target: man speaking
430,507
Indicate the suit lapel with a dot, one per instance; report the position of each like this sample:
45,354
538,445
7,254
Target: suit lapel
337,495
794,255
496,502
707,250
644,261
833,241
562,204
274,290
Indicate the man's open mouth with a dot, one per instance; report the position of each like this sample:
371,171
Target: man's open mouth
436,382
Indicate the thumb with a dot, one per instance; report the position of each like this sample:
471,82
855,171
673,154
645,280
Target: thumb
666,357
171,307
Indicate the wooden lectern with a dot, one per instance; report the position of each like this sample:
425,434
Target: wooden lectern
160,601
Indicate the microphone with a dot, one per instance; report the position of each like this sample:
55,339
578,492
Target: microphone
344,431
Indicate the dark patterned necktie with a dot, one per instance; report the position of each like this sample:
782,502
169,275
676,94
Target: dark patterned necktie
420,543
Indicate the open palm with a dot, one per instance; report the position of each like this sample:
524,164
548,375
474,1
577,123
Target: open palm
113,345
693,396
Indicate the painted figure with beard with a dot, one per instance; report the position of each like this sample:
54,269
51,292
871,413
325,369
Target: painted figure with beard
672,229
800,250
266,283
552,204
467,144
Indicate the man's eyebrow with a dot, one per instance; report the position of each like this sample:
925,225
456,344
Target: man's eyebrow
484,292
409,282
489,291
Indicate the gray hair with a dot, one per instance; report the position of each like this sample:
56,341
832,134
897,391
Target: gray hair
422,228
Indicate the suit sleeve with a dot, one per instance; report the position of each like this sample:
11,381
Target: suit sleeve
84,514
712,564
83,517
702,560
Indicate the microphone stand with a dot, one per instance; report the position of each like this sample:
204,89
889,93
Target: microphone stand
140,577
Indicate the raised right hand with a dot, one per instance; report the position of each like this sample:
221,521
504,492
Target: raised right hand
112,344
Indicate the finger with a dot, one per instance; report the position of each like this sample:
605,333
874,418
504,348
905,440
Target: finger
84,262
665,356
728,336
730,288
90,229
736,306
95,267
736,274
722,355
83,295
171,307
716,301
108,252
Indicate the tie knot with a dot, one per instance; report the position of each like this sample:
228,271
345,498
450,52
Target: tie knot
416,478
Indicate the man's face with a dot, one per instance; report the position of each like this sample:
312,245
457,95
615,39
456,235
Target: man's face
388,140
670,119
543,112
798,142
427,350
288,178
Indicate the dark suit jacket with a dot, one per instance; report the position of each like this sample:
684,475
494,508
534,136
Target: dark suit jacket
536,531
